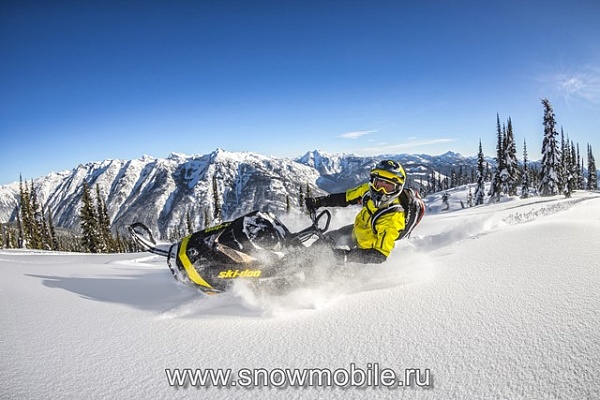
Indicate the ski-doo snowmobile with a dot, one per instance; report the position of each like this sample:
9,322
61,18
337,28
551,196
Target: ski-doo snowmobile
257,247
249,247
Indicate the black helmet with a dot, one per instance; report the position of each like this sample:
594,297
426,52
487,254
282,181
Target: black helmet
386,183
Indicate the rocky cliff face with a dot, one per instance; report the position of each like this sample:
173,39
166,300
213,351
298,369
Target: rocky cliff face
163,193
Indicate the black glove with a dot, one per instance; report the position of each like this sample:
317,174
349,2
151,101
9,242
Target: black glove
312,203
365,256
340,254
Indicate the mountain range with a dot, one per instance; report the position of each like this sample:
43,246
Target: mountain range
164,192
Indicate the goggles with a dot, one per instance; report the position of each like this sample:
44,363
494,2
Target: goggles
383,185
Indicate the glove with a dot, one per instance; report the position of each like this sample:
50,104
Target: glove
340,254
312,203
365,256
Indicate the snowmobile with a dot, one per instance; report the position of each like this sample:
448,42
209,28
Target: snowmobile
250,247
256,247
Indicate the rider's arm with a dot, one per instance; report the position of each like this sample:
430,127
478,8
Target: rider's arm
351,196
332,200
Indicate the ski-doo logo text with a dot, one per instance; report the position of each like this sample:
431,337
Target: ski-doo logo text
247,273
217,227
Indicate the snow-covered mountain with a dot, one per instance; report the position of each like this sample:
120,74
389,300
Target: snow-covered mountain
339,172
163,192
499,301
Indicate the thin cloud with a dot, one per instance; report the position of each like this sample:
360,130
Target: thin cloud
574,86
402,147
355,134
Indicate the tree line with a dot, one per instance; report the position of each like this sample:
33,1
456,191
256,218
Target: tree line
562,167
34,227
562,171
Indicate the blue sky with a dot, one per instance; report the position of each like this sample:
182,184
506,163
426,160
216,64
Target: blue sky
88,80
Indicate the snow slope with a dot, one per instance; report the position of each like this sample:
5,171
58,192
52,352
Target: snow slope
496,301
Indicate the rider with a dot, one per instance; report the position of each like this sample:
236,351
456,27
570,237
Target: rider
389,212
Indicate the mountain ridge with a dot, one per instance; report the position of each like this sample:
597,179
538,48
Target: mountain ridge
163,192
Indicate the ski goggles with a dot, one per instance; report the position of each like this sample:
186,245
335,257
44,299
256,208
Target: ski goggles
383,185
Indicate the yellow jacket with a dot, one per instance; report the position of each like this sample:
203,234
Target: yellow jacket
375,228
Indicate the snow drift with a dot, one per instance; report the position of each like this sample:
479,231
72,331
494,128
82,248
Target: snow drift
495,301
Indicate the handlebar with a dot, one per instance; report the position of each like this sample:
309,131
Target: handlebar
314,229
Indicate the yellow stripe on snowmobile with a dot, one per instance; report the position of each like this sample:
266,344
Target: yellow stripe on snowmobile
191,271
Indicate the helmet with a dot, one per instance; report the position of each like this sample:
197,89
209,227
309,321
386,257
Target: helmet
386,183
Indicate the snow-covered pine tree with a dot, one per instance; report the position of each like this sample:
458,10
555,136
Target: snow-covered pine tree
511,165
579,167
432,183
107,243
574,166
54,245
568,177
592,175
207,219
453,179
90,238
301,197
45,231
23,211
480,191
20,232
188,223
217,201
35,220
549,177
496,187
525,173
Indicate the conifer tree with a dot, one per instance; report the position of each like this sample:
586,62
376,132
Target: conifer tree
54,245
106,239
301,198
90,238
45,231
580,170
188,223
550,179
511,176
13,240
20,232
25,232
574,166
525,174
217,202
207,220
470,198
496,186
568,177
562,170
479,192
453,178
35,220
592,174
431,183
